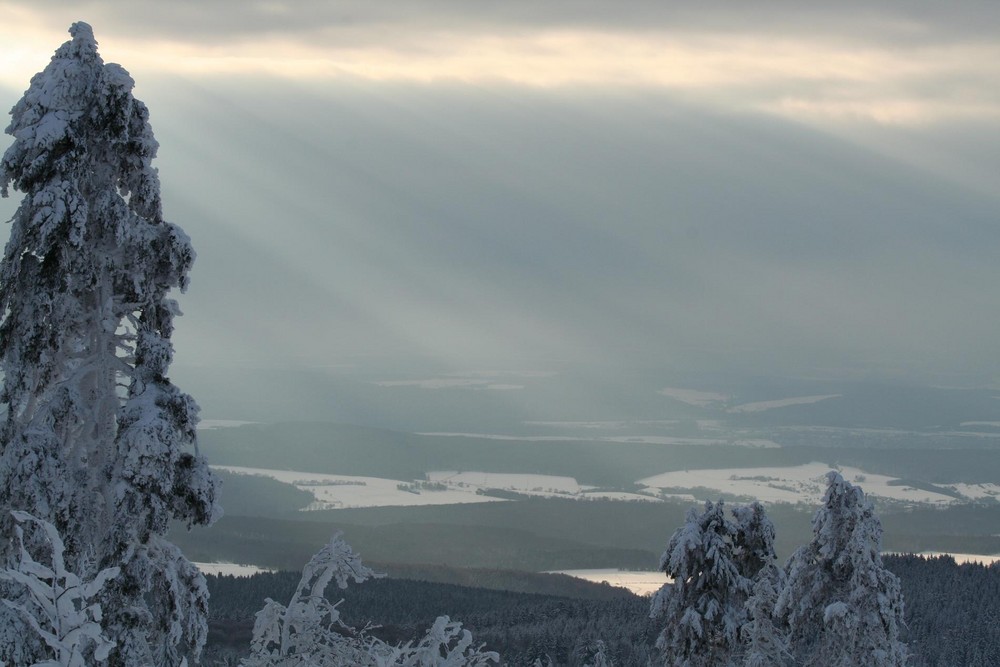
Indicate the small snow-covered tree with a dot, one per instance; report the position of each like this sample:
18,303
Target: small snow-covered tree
446,644
57,605
95,439
597,656
309,632
715,563
763,639
842,607
701,611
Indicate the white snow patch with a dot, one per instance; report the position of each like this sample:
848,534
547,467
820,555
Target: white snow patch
985,559
618,495
991,424
230,569
664,440
212,424
642,582
976,491
347,491
693,397
435,383
609,425
501,436
761,406
795,484
620,439
542,485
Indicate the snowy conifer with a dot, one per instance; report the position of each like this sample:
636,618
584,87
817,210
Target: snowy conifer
309,632
702,611
57,603
96,440
842,607
764,640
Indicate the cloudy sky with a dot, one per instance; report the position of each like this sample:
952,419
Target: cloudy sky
804,189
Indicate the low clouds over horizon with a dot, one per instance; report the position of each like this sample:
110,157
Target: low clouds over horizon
692,224
887,62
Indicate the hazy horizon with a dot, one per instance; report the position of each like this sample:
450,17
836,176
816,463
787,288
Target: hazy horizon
419,192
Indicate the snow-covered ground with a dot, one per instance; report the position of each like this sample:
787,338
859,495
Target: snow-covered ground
344,491
347,491
211,424
642,582
231,569
796,484
544,485
646,582
976,491
700,399
760,406
627,439
965,558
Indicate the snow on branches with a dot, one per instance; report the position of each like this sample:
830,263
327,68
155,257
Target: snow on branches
309,633
834,605
95,439
55,602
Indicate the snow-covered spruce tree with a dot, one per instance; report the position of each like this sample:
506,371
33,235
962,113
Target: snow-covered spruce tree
96,440
58,604
715,563
765,643
841,606
763,638
702,610
309,632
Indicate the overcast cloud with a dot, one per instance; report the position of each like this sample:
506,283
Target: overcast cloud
787,189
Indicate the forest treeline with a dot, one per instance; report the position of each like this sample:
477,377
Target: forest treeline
952,615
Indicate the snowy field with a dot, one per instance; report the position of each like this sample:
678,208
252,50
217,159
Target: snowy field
965,558
344,491
647,582
212,424
230,569
796,484
543,485
700,399
627,439
641,582
761,406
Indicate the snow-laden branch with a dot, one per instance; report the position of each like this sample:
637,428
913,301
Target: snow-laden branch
55,602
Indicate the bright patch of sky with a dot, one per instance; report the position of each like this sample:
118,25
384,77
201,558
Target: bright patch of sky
799,188
879,61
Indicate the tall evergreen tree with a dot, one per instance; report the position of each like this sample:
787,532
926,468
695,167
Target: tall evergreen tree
96,440
842,607
763,641
702,610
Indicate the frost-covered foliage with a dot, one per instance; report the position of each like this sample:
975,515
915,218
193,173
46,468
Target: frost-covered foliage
446,644
765,643
309,632
599,656
95,439
763,638
713,562
55,603
842,607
